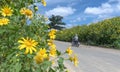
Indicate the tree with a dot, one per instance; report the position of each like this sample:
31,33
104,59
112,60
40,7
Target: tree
56,22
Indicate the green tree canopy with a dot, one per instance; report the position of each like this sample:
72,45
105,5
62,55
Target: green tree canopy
56,22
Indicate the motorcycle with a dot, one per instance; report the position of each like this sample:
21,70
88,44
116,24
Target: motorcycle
75,43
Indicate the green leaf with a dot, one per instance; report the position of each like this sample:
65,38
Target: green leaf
58,53
61,65
18,67
52,70
29,56
60,61
10,55
38,70
46,64
2,31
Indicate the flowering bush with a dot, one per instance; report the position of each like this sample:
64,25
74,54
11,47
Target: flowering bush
105,33
28,47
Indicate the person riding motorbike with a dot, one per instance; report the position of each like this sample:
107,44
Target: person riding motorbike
75,41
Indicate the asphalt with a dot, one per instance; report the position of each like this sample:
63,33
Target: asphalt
92,58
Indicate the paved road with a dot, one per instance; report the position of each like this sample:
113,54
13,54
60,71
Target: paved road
93,59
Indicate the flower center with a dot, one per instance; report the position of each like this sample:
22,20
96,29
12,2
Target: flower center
7,11
28,13
28,43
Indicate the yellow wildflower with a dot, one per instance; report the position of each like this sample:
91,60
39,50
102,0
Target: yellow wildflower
69,51
43,52
43,2
6,11
29,44
39,59
1,22
52,34
26,12
22,11
50,42
74,59
53,46
53,52
41,55
4,21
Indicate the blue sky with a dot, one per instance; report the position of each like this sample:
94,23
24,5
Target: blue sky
79,12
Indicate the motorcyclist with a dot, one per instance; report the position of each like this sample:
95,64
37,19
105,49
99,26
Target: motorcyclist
75,40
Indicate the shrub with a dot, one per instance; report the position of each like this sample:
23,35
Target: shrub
103,33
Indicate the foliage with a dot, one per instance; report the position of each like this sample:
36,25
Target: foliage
103,33
27,47
56,22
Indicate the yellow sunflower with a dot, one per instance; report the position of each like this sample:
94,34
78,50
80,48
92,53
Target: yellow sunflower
22,11
26,12
41,56
4,21
1,22
29,44
53,52
42,52
50,42
43,2
52,34
6,11
38,59
74,59
69,51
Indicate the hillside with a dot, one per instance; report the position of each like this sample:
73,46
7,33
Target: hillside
103,33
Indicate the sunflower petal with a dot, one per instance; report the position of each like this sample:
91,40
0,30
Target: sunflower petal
20,41
34,49
27,50
31,51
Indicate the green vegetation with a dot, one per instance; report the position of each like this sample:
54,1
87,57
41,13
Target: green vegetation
104,33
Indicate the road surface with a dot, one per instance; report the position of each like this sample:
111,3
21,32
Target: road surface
92,58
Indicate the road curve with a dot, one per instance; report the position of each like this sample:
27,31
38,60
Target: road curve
92,58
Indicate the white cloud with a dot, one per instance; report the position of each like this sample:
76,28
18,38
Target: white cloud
63,11
110,7
103,9
118,6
